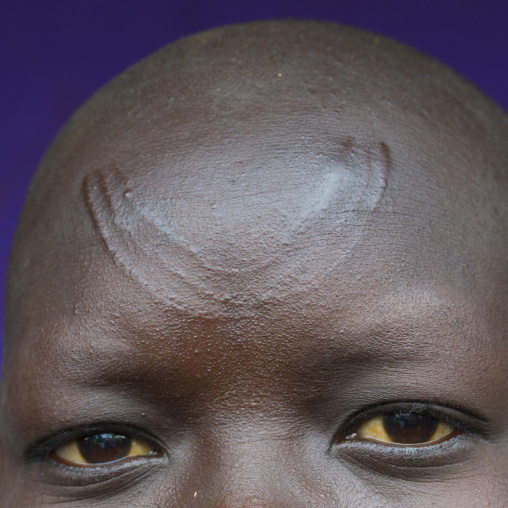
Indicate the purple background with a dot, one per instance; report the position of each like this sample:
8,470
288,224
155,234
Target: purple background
55,53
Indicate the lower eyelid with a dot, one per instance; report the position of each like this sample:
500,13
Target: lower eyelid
99,480
432,462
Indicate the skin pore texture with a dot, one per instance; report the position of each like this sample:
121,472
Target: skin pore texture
243,253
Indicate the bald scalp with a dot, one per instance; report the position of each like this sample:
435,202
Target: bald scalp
235,158
235,72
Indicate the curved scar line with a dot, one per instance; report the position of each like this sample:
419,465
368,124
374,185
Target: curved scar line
130,237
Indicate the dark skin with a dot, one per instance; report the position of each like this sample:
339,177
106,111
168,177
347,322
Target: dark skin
244,264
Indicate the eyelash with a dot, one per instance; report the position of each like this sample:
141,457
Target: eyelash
42,449
460,419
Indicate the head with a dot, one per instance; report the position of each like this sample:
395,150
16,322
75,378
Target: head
266,266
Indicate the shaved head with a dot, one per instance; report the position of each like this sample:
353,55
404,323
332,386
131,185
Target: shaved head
243,247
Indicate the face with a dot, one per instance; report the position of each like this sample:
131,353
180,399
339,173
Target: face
284,313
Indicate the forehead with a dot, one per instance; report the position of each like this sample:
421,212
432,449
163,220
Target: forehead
268,184
331,248
228,222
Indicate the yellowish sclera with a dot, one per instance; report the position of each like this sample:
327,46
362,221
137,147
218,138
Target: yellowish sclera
71,454
375,430
140,449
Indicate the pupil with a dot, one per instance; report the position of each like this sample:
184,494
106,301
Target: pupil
103,448
409,428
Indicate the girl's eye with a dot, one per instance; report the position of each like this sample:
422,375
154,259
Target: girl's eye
406,429
102,449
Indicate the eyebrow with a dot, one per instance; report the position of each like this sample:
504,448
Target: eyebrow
99,371
404,341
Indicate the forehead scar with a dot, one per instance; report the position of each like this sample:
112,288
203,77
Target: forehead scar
137,245
316,236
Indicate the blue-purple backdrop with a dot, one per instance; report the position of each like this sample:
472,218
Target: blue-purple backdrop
55,53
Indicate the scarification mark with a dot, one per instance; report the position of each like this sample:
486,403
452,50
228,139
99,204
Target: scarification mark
387,160
319,234
140,247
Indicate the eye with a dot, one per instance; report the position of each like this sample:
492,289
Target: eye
104,448
404,429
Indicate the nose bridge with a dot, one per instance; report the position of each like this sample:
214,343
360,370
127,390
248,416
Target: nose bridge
250,469
250,462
